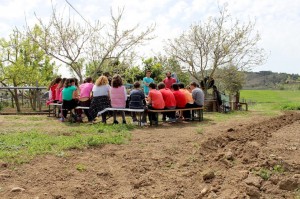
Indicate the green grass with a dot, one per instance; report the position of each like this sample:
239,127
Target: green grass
272,100
21,144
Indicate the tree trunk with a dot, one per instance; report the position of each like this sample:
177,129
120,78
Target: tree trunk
15,98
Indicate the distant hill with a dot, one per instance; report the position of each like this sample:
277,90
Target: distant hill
271,80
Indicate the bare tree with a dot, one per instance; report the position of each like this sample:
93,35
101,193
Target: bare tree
65,40
217,43
113,45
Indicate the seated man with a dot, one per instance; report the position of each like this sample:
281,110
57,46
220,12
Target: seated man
137,101
170,101
198,97
156,101
179,96
188,97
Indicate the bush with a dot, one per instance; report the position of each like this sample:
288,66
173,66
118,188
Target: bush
1,106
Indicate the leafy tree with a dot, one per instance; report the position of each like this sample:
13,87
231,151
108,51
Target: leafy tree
216,43
230,79
23,63
133,74
156,68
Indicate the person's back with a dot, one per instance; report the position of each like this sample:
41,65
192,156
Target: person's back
137,99
157,100
168,97
188,96
118,97
85,90
198,96
180,99
179,96
67,92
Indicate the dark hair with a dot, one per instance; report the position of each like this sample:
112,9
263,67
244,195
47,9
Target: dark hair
214,87
161,85
57,80
194,84
136,85
88,80
117,81
68,82
152,85
62,82
181,85
175,87
168,72
148,71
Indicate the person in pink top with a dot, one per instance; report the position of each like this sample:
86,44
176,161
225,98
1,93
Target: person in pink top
156,101
169,80
118,97
85,95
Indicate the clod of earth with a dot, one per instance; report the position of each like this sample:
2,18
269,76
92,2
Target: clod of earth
289,184
208,175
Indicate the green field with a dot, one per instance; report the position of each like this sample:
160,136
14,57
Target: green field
270,100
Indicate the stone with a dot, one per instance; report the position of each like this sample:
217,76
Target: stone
229,155
253,181
208,175
17,189
204,191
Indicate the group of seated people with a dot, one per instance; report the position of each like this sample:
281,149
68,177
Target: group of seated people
101,95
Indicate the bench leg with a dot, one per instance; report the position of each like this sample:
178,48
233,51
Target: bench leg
140,119
49,110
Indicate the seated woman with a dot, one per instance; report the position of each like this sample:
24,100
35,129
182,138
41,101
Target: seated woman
156,101
118,97
100,98
85,96
137,101
69,95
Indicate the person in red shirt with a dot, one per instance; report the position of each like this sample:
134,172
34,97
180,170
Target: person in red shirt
169,80
179,96
156,101
53,90
170,101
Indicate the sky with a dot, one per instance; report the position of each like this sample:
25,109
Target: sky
277,21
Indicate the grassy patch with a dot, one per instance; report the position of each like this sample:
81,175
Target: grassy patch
265,173
226,116
272,100
20,143
80,167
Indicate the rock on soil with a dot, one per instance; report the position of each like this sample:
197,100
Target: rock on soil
253,181
17,189
208,175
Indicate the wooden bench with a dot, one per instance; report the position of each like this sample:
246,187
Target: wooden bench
199,111
123,109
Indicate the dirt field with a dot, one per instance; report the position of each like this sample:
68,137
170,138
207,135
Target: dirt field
252,157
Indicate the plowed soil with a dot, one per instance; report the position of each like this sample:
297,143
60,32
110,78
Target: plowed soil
253,157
